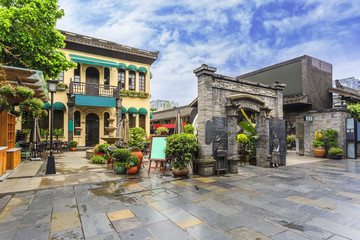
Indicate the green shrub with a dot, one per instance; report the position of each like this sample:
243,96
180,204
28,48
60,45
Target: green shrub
182,149
73,144
121,155
102,148
137,138
335,151
133,160
162,131
190,129
97,159
242,138
291,140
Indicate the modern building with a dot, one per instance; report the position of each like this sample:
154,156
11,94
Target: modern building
162,104
307,98
350,82
110,81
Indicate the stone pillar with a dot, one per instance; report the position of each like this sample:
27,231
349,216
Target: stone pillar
205,109
71,104
262,145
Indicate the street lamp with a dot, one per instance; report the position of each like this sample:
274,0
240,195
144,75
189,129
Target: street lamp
134,118
50,166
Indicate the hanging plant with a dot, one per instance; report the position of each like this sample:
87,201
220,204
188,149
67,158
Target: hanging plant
34,106
16,94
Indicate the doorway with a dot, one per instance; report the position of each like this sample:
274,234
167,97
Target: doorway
92,130
92,81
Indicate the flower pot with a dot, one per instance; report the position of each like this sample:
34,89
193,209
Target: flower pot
119,169
180,173
61,88
16,99
319,153
132,170
73,149
139,154
336,156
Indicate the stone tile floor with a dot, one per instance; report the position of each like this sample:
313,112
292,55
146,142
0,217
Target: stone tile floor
313,200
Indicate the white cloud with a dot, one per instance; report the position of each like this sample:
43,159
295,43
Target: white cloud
221,34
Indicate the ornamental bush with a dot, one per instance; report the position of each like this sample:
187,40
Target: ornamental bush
98,159
190,129
102,148
121,155
182,149
334,151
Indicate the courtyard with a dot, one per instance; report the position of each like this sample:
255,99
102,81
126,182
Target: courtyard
308,199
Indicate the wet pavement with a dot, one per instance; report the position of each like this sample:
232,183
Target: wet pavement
312,200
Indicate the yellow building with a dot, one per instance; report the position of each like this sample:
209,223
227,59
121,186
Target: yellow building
109,79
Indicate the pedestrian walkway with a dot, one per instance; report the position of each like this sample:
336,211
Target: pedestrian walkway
313,200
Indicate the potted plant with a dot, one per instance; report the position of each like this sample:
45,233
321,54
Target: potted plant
16,94
62,86
73,144
319,145
98,159
137,141
120,157
133,162
290,141
242,141
162,131
58,132
181,149
335,153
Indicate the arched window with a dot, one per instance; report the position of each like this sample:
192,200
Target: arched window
141,82
106,122
131,80
106,78
142,121
77,75
58,119
121,78
77,122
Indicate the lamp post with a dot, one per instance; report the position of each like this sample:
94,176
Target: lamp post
50,166
134,119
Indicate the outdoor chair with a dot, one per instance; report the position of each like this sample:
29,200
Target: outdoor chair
65,146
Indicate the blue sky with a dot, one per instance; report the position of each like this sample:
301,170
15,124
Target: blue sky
235,36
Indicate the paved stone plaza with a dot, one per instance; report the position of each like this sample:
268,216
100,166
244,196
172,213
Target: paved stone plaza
314,200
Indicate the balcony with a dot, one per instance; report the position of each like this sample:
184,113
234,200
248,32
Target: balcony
93,89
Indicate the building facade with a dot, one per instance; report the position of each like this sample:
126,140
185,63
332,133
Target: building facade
111,81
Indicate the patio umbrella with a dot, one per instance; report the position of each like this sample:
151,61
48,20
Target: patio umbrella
179,126
35,137
125,131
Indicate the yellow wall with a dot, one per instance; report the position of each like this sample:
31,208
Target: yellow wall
61,96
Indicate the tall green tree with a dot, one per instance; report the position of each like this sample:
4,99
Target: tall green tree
28,37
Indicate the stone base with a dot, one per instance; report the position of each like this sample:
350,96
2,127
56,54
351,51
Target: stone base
233,164
89,153
206,167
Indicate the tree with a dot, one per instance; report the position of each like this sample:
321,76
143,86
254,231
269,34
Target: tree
28,37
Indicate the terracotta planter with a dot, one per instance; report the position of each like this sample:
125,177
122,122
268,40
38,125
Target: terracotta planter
140,156
337,156
180,173
132,170
319,153
73,149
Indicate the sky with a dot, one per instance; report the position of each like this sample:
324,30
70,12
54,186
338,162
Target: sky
235,36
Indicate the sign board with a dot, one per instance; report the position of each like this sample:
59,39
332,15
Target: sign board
157,148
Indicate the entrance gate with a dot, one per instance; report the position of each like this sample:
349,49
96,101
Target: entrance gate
92,129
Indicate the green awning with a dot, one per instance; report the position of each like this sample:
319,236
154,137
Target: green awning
150,115
123,110
150,75
142,69
122,66
59,106
47,105
132,67
143,111
93,61
132,110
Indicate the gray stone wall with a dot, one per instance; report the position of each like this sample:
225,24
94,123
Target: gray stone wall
216,99
322,119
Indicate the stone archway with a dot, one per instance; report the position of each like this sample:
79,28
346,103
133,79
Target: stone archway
248,103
